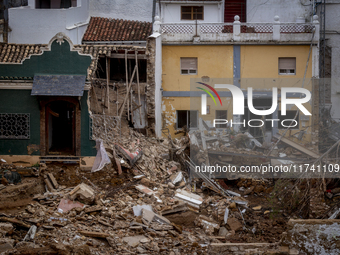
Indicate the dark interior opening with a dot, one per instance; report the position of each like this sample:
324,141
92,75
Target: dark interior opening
55,4
60,125
259,104
117,69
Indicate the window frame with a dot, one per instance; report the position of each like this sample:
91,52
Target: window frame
181,69
280,117
286,73
219,125
192,12
188,119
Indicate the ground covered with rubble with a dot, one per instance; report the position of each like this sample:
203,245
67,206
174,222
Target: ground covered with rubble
142,206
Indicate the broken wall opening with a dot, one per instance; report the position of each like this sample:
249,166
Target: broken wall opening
120,85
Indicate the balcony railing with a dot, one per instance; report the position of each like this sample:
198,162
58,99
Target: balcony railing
238,31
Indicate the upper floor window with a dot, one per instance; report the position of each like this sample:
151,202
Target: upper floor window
188,65
192,12
55,4
287,66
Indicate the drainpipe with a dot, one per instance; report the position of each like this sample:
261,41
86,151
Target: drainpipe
153,10
5,32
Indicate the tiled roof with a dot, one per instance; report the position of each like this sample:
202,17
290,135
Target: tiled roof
104,29
15,53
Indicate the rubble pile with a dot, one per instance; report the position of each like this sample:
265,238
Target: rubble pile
149,207
139,202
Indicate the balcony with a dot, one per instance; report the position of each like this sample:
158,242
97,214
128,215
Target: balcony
275,32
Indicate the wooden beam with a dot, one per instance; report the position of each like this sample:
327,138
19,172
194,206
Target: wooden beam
93,234
129,56
127,90
107,98
298,146
138,88
127,94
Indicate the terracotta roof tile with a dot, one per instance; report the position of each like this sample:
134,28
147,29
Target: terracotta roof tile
104,29
16,53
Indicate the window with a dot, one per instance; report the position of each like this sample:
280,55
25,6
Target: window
189,66
192,12
233,8
287,66
55,4
187,118
290,115
221,114
14,126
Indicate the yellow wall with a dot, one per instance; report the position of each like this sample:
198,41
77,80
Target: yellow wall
259,69
212,61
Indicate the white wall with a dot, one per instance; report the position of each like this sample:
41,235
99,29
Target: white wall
122,9
38,26
287,10
171,13
333,41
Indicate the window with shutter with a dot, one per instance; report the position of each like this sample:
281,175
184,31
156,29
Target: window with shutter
287,66
189,66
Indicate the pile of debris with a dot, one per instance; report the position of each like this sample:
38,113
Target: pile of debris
137,199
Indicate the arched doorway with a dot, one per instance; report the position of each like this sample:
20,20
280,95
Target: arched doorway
60,127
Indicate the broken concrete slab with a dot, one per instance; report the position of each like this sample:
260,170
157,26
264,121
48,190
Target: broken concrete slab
31,233
83,192
66,205
5,247
176,177
137,209
234,224
240,248
144,190
188,197
317,236
133,241
6,228
209,225
147,216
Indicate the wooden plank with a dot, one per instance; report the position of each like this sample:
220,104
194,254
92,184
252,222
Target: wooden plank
107,98
49,184
53,180
94,234
129,56
138,89
15,222
127,89
298,146
127,95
